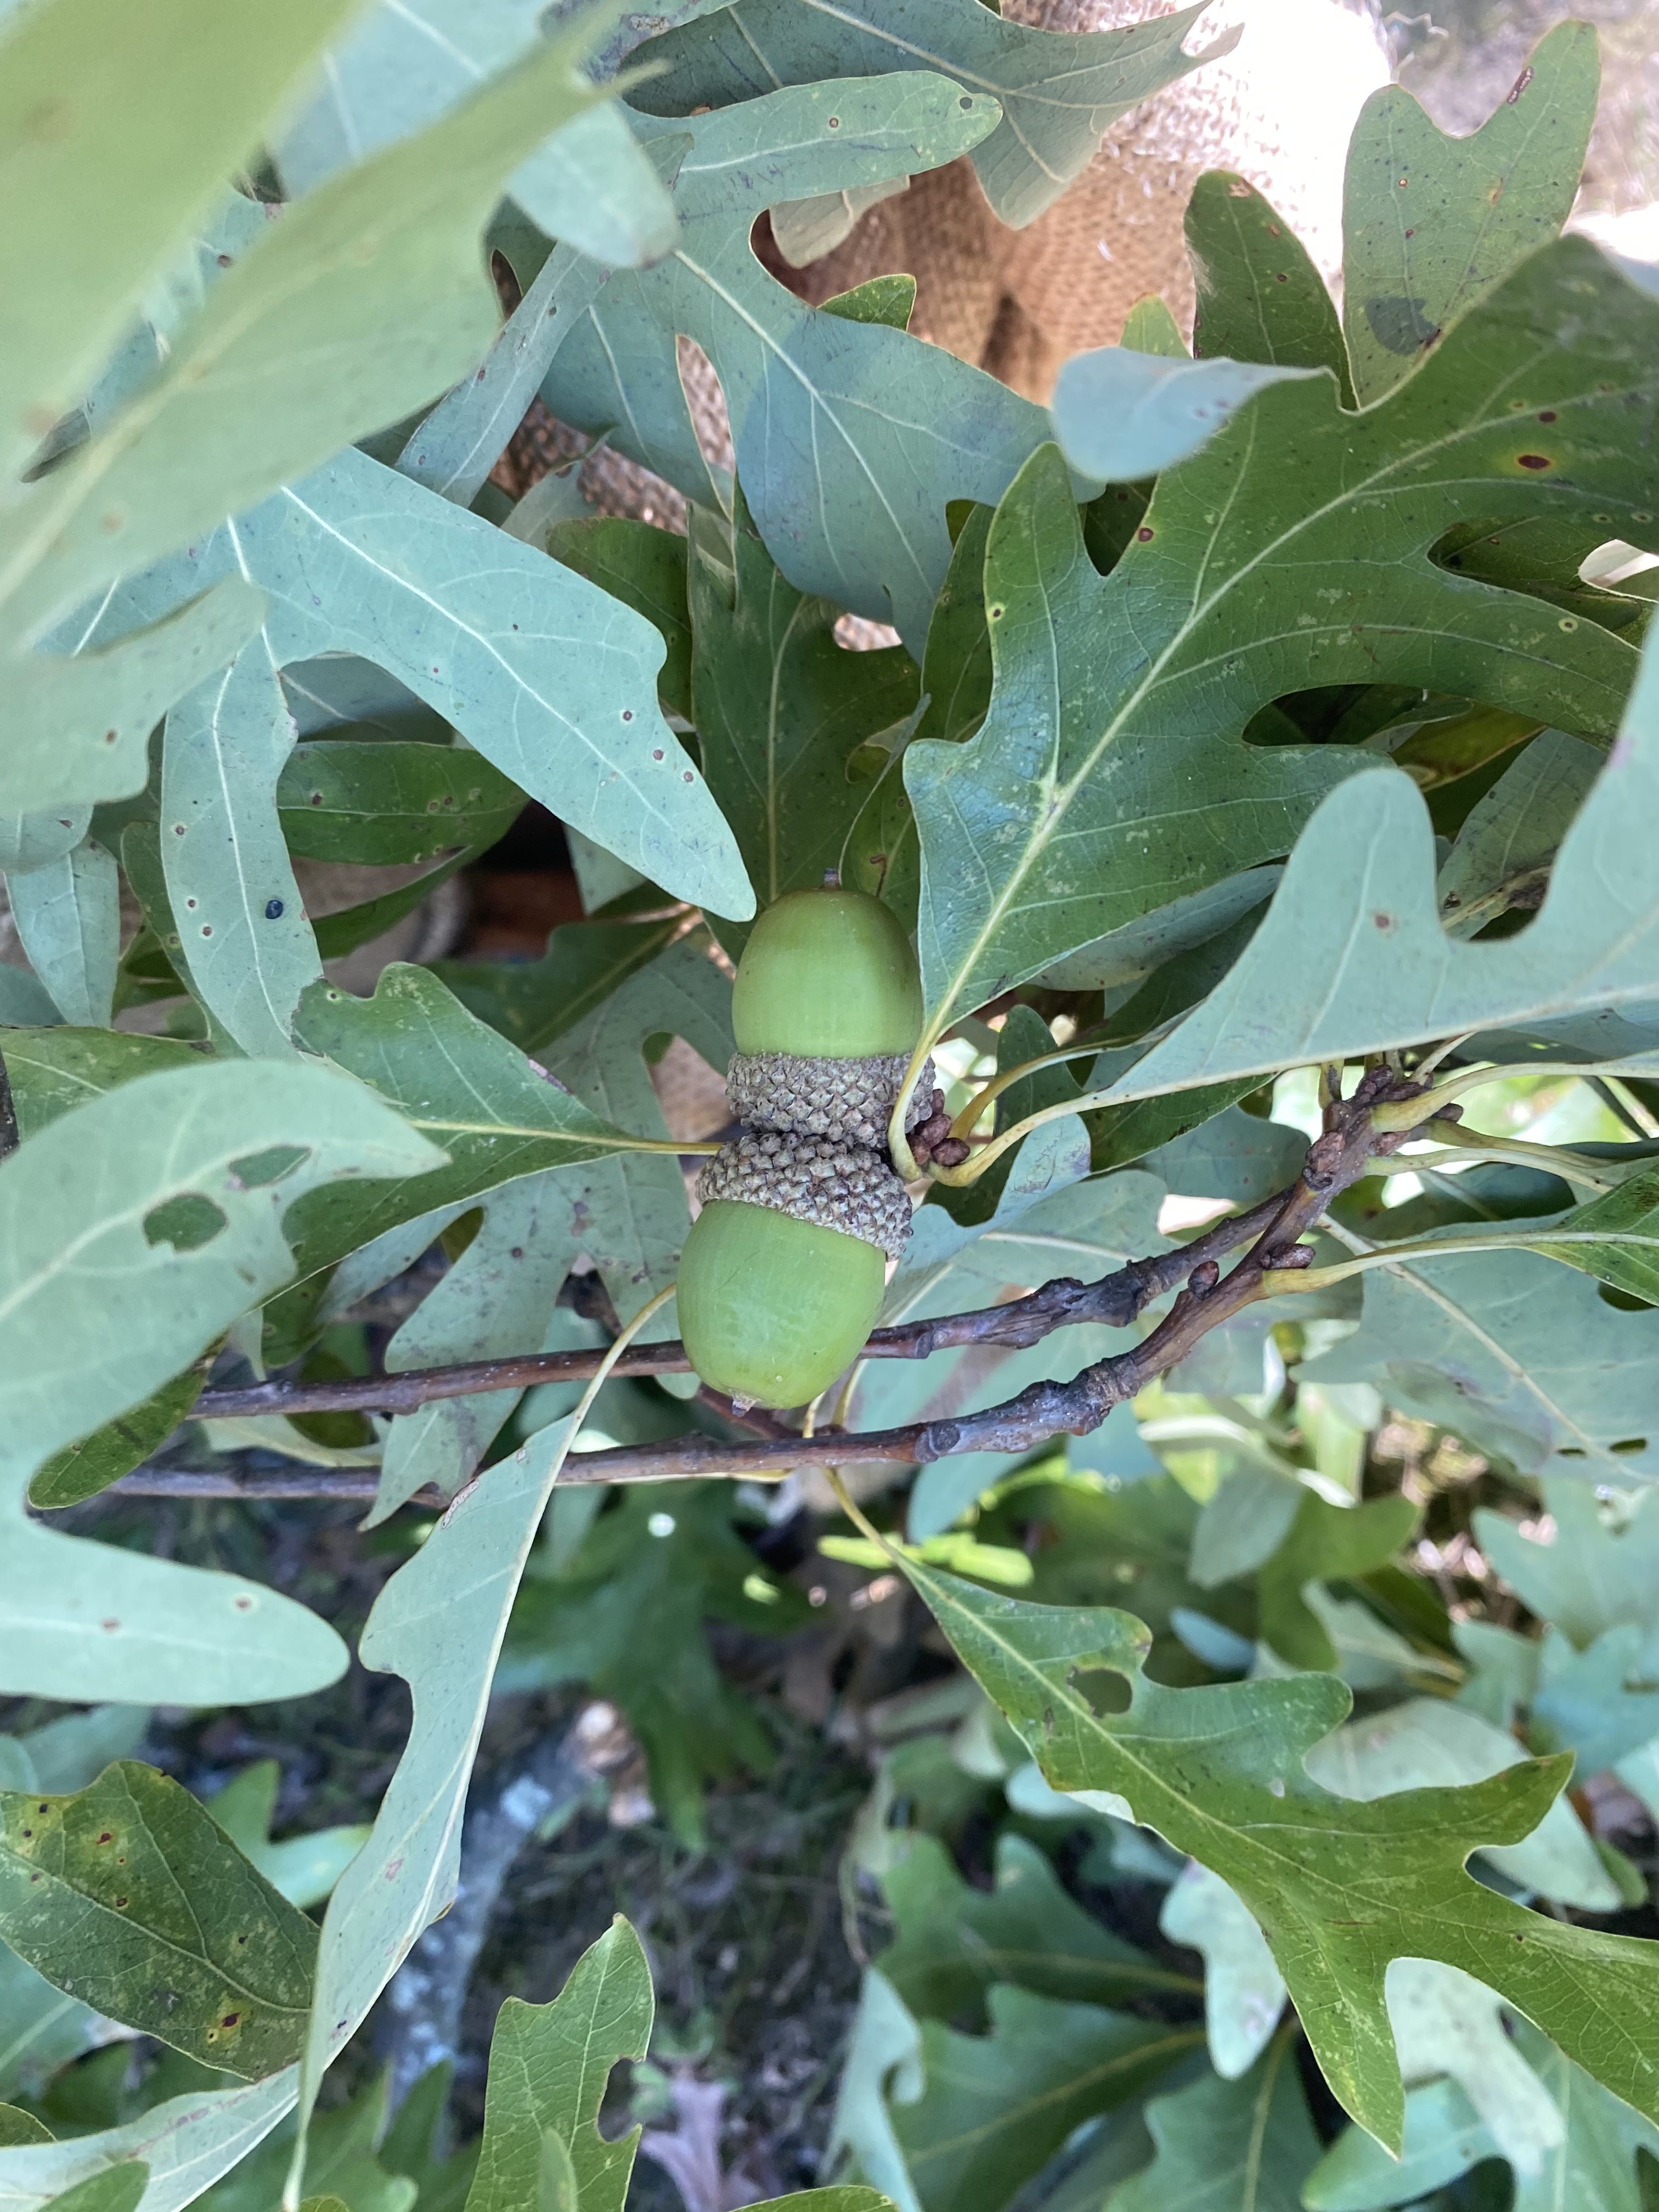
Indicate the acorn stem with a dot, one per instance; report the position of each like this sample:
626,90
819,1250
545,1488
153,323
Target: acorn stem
968,1119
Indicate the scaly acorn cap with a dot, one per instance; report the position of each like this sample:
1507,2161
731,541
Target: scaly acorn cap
827,974
834,1184
846,1099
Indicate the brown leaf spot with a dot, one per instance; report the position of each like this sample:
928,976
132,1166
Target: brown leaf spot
1534,460
1383,921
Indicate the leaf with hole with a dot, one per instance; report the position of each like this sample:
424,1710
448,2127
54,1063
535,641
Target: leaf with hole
1040,834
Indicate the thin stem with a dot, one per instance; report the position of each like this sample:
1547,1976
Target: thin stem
1545,1241
1470,1146
972,1170
1425,1068
1401,1113
972,1112
1627,1105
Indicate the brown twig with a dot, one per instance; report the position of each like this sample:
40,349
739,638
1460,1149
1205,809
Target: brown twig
1335,1160
1115,1302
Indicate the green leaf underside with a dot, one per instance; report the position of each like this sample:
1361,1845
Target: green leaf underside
1339,1887
129,1896
1108,778
1372,969
1059,92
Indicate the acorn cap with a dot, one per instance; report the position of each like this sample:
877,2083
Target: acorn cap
834,1184
843,1098
827,974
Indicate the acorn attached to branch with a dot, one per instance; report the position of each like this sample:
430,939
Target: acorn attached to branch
783,1272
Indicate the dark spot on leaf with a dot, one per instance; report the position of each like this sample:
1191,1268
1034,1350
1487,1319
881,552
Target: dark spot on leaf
109,736
965,101
230,2019
1400,323
27,1832
1519,85
834,122
1535,461
120,1904
1548,415
109,1628
273,910
656,752
1145,535
244,1604
1383,921
108,1836
187,1222
627,713
1279,278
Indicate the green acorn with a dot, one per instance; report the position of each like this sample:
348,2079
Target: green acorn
783,1272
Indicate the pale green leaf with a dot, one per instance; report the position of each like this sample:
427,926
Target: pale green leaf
367,298
244,937
1060,91
163,1205
304,1868
409,61
1039,835
894,428
1243,1990
80,726
1427,1743
185,2142
68,919
128,1896
1445,2023
454,449
67,1754
1351,958
1338,1888
883,2057
1592,1572
550,2066
1228,2146
1122,416
34,840
1432,223
1524,1358
552,680
438,1623
343,2162
41,2028
178,1156
1594,2168
117,131
1325,1543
